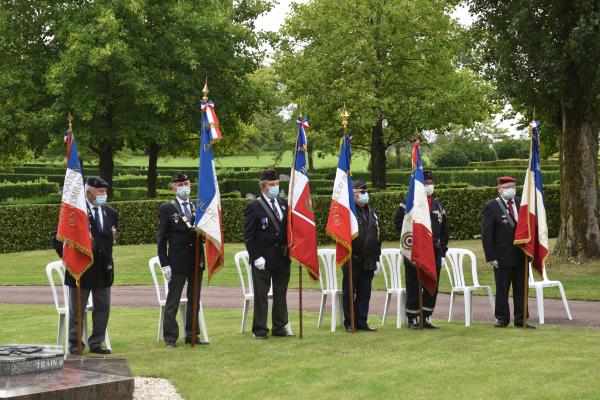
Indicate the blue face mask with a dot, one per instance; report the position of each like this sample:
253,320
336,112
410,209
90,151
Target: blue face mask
363,198
183,192
274,191
509,194
100,200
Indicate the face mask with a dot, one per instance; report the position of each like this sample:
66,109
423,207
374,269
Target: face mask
363,198
274,191
100,200
508,194
429,189
183,192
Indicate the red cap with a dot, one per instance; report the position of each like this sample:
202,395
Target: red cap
505,179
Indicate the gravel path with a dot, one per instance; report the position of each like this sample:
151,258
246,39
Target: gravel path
154,389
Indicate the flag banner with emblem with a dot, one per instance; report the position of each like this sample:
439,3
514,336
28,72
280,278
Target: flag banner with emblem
209,218
416,240
73,224
302,231
531,233
342,225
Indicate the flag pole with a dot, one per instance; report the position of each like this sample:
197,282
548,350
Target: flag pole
526,258
291,243
345,116
421,314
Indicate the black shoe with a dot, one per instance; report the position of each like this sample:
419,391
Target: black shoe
367,329
413,323
196,341
348,328
501,324
521,325
171,344
260,336
282,334
99,350
428,325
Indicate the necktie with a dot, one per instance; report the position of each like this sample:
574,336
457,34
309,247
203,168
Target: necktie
510,209
187,211
275,209
97,219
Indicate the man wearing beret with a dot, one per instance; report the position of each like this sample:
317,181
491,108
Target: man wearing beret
439,233
98,279
265,235
498,226
176,241
366,249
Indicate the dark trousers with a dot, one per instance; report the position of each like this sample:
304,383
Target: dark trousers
170,326
505,277
361,285
279,314
412,288
100,313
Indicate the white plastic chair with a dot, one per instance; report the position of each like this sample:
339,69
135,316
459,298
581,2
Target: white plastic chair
391,265
62,308
329,288
539,292
162,301
245,273
455,258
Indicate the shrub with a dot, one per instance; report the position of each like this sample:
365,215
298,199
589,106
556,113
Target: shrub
24,190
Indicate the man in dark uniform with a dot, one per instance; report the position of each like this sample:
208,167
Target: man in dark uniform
439,231
98,279
265,235
366,249
498,226
176,240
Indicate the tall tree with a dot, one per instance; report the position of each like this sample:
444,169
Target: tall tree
394,64
544,54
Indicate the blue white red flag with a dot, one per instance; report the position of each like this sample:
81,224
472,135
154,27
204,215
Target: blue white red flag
209,218
73,224
302,231
416,241
342,225
531,233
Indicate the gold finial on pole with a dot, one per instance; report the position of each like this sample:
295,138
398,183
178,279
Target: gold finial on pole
205,90
70,119
345,116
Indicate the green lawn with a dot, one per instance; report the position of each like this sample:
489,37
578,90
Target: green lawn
453,362
27,268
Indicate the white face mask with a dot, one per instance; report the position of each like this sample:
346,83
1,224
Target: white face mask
429,189
509,194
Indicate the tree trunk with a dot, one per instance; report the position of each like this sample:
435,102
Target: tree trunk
398,157
579,234
153,150
106,164
309,150
378,177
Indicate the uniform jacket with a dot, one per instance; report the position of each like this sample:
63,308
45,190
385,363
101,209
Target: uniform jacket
366,247
176,241
439,224
497,236
101,274
261,236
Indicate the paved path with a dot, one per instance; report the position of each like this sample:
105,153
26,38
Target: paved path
585,314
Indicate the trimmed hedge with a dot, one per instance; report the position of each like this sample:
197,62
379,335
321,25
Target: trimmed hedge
21,229
510,162
24,190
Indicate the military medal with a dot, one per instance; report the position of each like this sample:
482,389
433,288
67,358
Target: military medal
187,222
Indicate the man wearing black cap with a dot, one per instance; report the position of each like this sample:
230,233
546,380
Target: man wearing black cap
265,235
439,232
366,249
98,279
498,226
176,241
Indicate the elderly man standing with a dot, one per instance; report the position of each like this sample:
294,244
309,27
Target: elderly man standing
265,235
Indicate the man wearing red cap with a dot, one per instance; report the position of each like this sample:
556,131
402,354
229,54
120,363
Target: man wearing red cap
498,225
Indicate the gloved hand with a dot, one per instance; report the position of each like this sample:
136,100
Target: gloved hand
378,270
166,272
259,263
494,263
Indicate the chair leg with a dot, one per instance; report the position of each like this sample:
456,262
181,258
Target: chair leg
491,297
398,310
468,298
386,304
161,321
321,310
539,294
84,329
202,323
340,308
403,307
245,315
61,329
107,340
564,299
334,304
451,305
182,312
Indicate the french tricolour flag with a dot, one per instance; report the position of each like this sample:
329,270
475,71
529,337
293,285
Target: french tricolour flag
342,225
73,223
209,219
416,242
302,232
531,233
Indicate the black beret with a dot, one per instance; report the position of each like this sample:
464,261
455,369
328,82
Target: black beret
359,184
269,174
427,174
179,177
97,182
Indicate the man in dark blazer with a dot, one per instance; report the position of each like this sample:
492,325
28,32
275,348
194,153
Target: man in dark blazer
500,217
98,279
265,235
176,241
